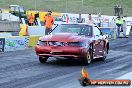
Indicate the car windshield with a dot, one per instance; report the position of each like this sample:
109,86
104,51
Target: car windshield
80,29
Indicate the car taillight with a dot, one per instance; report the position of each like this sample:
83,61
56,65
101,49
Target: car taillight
44,43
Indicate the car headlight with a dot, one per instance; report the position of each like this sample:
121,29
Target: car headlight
44,43
77,44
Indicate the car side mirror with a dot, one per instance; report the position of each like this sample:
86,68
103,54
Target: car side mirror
97,35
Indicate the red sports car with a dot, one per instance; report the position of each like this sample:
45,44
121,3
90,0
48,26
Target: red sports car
80,41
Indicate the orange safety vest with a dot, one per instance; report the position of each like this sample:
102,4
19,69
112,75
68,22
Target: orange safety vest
49,21
31,19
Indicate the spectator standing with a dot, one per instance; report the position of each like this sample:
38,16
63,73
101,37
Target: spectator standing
119,23
99,20
35,19
124,25
45,18
31,19
89,19
80,20
67,18
124,28
49,21
0,14
115,10
120,10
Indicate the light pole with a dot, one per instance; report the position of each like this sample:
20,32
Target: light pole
82,4
66,5
35,4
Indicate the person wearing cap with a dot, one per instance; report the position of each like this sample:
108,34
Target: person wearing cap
90,19
0,14
119,24
36,16
31,19
115,10
99,20
49,21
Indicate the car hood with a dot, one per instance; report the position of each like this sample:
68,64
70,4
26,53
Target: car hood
64,37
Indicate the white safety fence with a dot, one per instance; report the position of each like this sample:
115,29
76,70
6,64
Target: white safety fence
37,30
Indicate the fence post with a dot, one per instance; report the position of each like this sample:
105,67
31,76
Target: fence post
114,32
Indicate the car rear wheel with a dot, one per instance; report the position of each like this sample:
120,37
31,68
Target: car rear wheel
43,59
88,58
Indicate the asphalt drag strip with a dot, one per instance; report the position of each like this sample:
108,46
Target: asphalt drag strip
22,69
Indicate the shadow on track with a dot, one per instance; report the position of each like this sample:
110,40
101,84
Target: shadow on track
71,62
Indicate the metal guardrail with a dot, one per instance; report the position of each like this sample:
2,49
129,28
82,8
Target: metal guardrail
9,26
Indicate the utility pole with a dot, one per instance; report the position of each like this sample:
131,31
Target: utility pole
35,4
66,5
82,5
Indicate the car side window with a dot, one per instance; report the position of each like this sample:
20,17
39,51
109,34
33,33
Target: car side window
96,31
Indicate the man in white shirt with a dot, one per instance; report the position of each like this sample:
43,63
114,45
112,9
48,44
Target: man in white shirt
124,25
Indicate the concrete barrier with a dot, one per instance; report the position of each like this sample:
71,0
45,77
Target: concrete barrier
9,26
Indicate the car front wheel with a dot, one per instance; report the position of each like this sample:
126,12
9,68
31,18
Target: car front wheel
88,58
42,59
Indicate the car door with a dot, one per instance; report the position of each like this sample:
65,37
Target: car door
98,43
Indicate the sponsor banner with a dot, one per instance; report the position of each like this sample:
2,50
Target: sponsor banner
17,43
85,80
33,40
90,82
2,43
